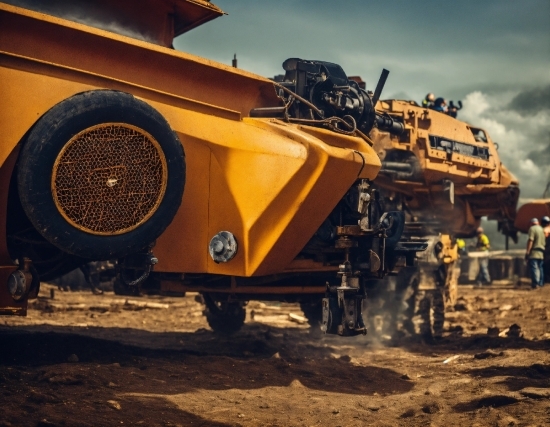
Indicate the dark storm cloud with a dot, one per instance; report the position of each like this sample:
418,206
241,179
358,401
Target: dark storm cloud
541,158
531,101
450,48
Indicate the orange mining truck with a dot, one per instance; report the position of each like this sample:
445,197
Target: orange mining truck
194,175
444,174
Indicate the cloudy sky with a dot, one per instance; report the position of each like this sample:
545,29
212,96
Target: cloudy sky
494,55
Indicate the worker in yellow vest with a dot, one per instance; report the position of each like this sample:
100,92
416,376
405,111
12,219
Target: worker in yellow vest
483,244
461,246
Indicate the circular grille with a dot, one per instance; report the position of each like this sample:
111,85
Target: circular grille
109,178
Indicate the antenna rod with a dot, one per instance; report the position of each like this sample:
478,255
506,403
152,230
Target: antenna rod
379,86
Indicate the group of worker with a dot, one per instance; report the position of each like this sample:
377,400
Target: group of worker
440,104
538,249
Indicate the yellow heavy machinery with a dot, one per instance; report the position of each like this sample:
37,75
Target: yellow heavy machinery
444,174
97,111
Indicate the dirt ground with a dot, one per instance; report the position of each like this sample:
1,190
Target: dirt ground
86,360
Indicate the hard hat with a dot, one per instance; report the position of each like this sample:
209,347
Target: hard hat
545,220
479,230
534,221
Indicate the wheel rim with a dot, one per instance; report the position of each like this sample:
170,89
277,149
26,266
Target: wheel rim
109,179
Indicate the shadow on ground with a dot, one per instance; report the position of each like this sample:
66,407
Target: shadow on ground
37,377
516,377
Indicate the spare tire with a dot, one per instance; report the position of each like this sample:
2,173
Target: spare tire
101,174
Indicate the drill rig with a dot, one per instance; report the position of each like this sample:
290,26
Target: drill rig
444,175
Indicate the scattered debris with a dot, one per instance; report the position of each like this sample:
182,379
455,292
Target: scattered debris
405,377
114,404
140,305
488,354
514,331
408,413
493,332
456,329
41,398
64,380
506,307
460,306
450,359
431,408
463,305
301,320
100,308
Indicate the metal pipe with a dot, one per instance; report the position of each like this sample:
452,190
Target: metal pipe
380,86
396,167
267,112
388,124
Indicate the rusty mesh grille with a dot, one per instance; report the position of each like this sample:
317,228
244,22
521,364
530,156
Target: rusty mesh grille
109,178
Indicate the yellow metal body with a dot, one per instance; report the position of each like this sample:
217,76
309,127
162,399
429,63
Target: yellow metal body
268,182
481,186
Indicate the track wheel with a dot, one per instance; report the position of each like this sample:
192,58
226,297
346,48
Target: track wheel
222,316
431,309
438,307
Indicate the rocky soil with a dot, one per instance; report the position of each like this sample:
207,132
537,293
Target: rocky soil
103,360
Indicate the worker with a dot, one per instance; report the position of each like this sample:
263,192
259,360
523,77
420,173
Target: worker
545,224
428,102
440,105
483,245
534,253
461,246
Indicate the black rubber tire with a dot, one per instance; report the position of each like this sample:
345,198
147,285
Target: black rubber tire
44,143
411,300
24,241
224,317
425,312
431,309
